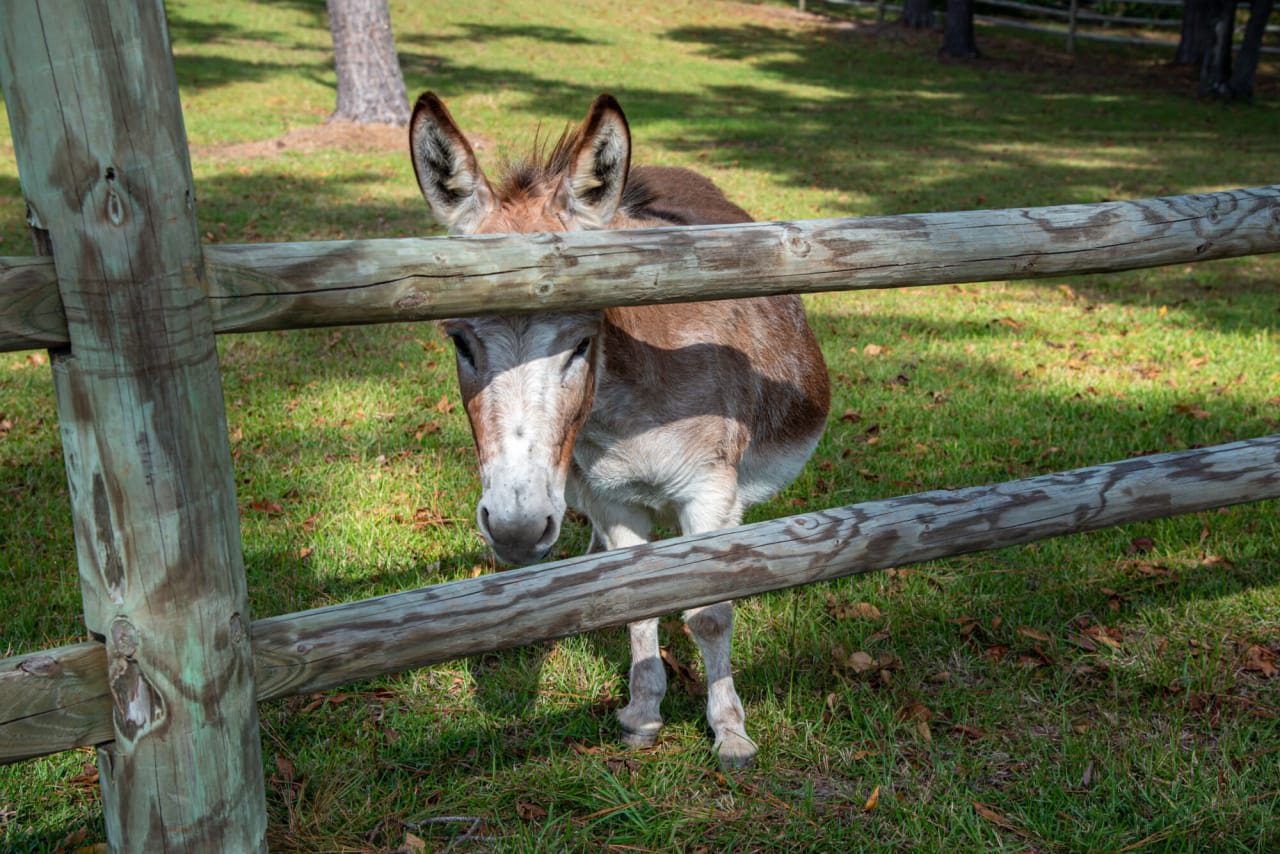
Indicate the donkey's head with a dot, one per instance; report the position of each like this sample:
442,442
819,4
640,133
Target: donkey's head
528,382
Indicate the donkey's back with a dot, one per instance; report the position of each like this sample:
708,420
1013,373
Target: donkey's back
701,387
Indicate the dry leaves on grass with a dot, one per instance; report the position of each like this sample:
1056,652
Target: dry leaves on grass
878,668
1261,660
842,610
689,680
529,811
873,801
918,715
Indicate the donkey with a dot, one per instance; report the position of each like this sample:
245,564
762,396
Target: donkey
642,416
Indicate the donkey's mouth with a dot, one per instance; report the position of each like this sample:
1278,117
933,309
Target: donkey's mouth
519,541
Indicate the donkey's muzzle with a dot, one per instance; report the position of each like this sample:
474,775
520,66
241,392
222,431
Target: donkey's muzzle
519,537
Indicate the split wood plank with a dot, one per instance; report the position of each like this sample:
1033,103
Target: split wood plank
102,154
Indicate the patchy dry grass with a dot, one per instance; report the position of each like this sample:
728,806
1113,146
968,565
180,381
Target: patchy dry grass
1114,691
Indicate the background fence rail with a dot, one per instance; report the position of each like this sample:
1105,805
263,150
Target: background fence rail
1072,14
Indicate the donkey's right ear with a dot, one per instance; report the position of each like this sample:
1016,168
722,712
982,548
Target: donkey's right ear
450,178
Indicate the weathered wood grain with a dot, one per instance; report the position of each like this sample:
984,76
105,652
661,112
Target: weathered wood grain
54,700
293,285
313,650
102,154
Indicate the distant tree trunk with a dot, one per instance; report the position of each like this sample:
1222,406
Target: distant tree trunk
1196,27
957,38
917,14
1215,69
370,85
1241,83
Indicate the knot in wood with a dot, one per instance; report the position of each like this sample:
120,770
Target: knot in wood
41,665
798,246
115,205
544,288
411,301
124,637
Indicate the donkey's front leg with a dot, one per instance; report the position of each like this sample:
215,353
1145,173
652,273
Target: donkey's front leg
615,527
712,628
642,717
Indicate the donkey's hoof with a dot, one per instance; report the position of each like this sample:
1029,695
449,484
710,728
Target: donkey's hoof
640,738
735,751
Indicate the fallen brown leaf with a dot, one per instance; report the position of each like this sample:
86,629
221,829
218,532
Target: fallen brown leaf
1259,659
1194,411
994,817
1141,544
873,801
858,662
1028,632
842,610
530,811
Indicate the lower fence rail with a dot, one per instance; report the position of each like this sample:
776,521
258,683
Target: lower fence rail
59,699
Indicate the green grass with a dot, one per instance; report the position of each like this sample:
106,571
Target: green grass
1097,692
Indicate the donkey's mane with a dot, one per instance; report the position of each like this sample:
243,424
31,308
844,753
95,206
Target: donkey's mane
541,168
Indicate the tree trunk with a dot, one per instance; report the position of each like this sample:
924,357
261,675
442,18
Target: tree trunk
1196,29
1215,70
917,14
370,85
1241,84
957,39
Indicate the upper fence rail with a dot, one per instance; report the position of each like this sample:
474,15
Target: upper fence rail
257,287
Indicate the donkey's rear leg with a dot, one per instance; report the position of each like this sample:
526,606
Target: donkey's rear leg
640,719
712,627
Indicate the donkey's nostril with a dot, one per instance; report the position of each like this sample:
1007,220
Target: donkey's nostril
549,533
484,521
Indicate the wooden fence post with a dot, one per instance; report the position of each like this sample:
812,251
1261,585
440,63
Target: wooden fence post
93,102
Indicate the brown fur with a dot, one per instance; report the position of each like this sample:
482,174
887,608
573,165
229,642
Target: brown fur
687,413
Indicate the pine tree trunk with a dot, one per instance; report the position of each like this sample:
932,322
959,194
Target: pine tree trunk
957,38
370,85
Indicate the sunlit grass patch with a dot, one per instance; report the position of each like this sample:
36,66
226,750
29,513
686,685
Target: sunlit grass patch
1112,691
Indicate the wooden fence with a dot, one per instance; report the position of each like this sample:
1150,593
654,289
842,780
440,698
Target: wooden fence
1067,20
129,304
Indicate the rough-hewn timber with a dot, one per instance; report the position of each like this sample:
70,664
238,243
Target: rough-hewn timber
98,133
292,285
313,650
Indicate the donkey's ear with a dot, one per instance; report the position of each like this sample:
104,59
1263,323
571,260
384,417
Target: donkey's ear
592,188
450,178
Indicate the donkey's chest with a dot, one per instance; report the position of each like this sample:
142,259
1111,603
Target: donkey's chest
650,464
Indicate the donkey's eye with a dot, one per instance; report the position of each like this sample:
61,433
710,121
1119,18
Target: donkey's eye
580,352
464,349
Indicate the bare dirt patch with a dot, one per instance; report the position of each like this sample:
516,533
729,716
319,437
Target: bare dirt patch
346,136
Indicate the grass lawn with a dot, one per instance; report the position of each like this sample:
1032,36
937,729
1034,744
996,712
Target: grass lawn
1113,691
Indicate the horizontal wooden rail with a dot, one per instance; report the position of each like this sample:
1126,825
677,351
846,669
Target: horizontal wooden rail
57,699
293,285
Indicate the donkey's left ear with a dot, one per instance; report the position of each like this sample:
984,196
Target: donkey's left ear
592,189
